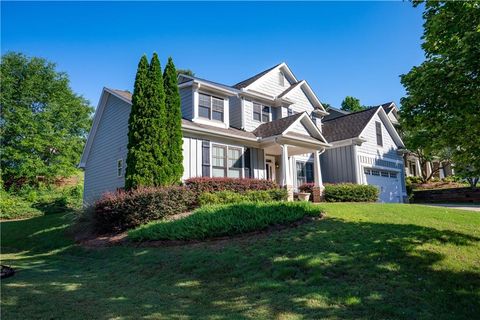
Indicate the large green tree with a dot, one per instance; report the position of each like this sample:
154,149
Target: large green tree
351,104
443,93
140,159
173,122
43,123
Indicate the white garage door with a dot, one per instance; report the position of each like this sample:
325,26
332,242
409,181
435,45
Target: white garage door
388,183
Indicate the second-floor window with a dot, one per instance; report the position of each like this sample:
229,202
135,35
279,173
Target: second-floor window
378,129
261,113
289,112
210,107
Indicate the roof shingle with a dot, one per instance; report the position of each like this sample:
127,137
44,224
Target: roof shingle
347,126
275,127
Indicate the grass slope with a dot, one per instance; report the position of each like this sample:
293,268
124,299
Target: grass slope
365,261
226,220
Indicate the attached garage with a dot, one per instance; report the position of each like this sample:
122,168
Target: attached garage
387,182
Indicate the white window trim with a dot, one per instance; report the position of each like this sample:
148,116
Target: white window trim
242,151
121,168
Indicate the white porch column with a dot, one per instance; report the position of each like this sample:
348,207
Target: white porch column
286,176
317,172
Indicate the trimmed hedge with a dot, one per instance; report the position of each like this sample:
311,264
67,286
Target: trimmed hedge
225,220
224,197
202,185
124,210
349,192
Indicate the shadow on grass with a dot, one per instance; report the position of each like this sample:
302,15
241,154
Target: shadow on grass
326,269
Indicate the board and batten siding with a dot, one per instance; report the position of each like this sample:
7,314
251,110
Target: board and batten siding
109,145
186,101
257,162
337,165
235,112
192,157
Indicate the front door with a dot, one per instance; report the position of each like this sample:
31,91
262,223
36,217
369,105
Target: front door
270,167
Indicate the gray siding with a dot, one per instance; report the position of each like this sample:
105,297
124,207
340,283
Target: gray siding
235,112
109,145
338,165
186,99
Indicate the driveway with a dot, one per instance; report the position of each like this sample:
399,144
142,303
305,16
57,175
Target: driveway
461,206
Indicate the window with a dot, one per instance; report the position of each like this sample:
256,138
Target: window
378,128
304,172
210,107
257,112
375,173
281,79
226,161
413,168
119,167
261,113
265,114
393,175
384,174
367,171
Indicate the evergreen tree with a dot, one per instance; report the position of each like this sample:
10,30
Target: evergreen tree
173,122
140,160
157,124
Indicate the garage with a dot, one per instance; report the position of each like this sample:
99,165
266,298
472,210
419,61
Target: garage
388,183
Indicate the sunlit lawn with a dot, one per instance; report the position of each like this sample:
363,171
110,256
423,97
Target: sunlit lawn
364,261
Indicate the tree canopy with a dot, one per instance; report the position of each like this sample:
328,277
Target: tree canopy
43,123
351,104
187,72
443,93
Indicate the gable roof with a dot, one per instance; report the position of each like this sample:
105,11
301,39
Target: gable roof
247,82
347,126
276,127
125,94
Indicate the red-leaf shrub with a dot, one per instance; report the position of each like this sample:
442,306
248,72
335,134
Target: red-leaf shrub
202,185
124,210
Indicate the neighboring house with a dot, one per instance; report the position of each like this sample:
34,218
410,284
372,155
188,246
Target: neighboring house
267,127
366,149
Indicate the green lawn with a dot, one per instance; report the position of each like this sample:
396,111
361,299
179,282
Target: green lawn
364,261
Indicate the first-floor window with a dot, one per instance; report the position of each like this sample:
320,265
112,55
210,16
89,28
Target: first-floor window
226,161
119,167
304,172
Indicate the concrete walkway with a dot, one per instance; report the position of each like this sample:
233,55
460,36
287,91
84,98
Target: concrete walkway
461,206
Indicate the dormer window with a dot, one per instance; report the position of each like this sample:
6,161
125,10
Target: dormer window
210,107
261,113
289,112
281,79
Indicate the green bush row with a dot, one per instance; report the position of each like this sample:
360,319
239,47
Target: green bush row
225,197
349,192
225,220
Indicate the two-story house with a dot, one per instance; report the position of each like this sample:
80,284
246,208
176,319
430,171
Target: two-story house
267,127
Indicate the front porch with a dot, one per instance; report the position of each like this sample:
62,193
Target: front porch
285,158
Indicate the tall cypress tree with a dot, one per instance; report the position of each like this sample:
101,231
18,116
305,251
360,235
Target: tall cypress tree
157,123
139,156
173,122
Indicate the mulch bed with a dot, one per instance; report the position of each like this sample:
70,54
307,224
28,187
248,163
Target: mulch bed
121,239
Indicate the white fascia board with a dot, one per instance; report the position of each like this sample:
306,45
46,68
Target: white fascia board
348,142
96,121
194,129
256,95
284,67
309,123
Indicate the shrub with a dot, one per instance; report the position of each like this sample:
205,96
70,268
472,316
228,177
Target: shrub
223,220
123,210
413,180
224,197
350,192
202,185
307,187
